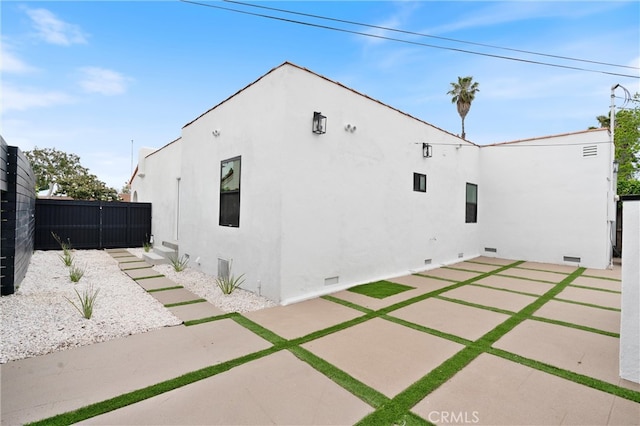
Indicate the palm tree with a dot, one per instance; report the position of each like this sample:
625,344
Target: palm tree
463,93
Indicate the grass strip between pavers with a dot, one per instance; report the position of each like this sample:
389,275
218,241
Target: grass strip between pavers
405,400
591,305
209,319
154,290
347,304
569,375
508,290
606,290
475,305
426,275
528,279
602,278
145,278
576,326
188,302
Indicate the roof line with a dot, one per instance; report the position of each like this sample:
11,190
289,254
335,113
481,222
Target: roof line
546,137
330,81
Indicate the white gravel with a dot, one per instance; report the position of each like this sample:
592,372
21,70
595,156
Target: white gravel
37,319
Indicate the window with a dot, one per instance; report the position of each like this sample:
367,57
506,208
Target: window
419,182
230,192
472,203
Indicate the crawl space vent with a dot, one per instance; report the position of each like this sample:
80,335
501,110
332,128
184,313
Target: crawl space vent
427,261
590,151
571,259
331,280
460,255
491,249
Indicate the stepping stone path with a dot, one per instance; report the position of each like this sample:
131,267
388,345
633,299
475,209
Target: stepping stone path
181,302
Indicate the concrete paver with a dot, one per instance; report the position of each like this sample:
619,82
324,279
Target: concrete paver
451,274
142,273
593,297
601,319
475,266
598,283
460,320
196,311
554,277
526,286
490,297
277,389
156,283
302,318
565,269
384,355
40,387
575,350
134,265
519,395
126,258
493,260
615,272
177,295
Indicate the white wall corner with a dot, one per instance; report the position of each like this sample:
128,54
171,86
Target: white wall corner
630,316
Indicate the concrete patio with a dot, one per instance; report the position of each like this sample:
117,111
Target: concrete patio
487,341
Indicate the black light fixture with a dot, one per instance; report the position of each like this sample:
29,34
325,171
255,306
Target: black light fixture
427,150
319,123
616,166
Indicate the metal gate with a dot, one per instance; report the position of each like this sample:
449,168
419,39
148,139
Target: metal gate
91,224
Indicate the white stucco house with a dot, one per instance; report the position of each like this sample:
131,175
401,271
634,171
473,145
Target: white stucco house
311,187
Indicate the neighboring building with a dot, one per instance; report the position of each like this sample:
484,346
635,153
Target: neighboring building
370,193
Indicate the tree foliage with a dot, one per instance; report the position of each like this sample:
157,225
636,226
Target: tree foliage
627,145
62,174
462,94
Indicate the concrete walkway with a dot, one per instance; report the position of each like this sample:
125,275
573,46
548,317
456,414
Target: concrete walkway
488,341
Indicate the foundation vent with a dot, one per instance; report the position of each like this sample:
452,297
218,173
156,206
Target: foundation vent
590,151
223,268
571,259
491,249
427,261
331,280
460,255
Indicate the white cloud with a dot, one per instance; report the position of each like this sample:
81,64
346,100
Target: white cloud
11,63
55,31
22,99
103,81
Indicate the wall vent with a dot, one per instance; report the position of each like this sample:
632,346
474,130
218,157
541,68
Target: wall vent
223,268
331,280
427,261
460,255
491,249
590,151
571,259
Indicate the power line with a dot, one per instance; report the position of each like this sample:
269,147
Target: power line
277,18
379,27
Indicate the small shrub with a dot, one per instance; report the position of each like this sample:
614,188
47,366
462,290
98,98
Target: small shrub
179,263
146,247
86,300
76,273
66,256
227,284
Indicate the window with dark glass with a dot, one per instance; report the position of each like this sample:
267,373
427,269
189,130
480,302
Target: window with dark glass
472,203
230,192
419,182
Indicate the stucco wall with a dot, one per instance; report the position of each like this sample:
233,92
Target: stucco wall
630,316
542,199
157,183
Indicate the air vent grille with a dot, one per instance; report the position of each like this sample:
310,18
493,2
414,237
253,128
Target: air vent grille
491,249
590,151
571,259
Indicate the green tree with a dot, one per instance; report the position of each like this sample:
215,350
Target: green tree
627,145
62,174
462,94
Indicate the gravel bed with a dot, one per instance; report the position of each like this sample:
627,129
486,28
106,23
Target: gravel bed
205,286
38,319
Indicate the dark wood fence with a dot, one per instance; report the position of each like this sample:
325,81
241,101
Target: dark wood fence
17,215
91,224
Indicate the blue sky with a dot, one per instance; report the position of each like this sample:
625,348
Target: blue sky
89,77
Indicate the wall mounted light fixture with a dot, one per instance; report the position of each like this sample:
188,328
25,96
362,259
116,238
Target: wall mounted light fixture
319,123
427,150
616,166
350,128
216,132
